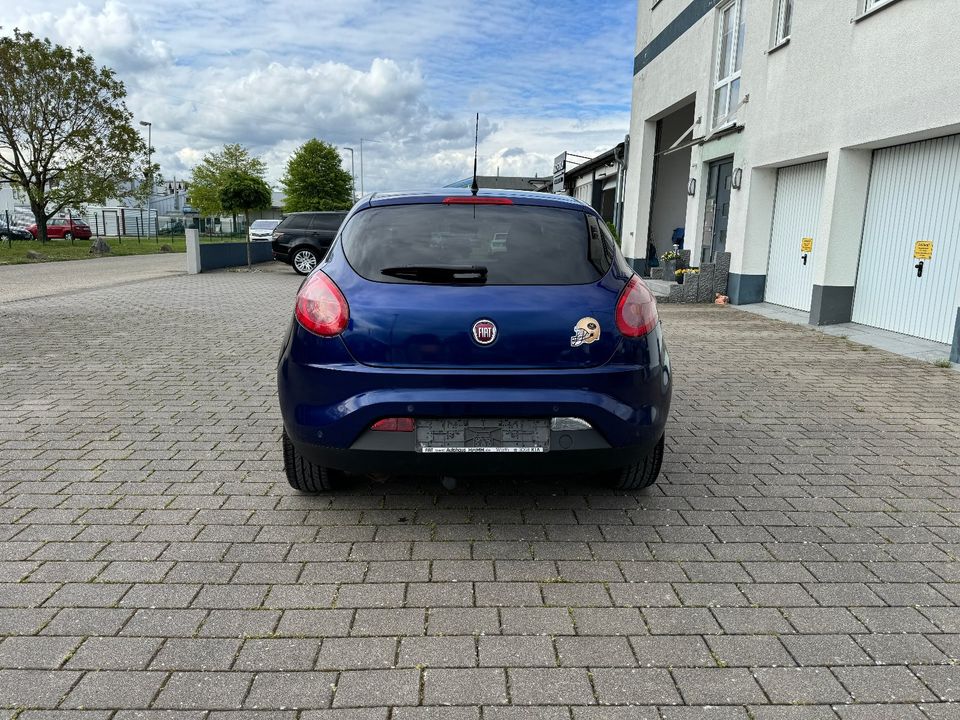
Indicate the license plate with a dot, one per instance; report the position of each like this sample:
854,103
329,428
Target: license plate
485,435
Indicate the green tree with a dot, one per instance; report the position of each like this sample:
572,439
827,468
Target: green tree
211,175
243,192
314,179
66,135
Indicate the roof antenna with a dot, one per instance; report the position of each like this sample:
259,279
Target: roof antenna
475,186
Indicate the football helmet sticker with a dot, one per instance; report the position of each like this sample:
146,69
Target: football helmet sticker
585,332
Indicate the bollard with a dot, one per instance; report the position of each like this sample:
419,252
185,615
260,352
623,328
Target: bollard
193,251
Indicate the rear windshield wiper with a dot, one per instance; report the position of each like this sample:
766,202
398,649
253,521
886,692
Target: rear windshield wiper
439,273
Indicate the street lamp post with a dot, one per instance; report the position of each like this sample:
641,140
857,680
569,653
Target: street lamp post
362,141
149,127
353,176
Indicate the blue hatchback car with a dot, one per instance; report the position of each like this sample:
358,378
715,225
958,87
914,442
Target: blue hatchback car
454,333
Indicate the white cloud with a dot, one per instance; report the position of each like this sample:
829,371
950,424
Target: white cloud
407,73
113,35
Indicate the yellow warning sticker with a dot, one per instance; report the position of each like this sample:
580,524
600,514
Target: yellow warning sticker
923,250
806,245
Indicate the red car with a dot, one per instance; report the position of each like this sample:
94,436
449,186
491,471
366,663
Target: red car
66,228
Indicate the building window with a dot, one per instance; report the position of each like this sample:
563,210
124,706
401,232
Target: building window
726,91
784,20
868,7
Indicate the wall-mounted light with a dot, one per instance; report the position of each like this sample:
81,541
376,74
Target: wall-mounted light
737,178
692,187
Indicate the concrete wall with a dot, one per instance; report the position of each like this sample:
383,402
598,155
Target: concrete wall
889,77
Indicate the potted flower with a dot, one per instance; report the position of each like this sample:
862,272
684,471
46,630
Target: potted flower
670,259
681,274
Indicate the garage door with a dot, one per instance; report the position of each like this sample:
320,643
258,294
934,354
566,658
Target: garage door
793,243
914,198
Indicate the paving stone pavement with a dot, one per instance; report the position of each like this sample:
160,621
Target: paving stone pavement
32,280
798,561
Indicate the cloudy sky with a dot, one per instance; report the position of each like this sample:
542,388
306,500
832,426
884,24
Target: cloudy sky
545,76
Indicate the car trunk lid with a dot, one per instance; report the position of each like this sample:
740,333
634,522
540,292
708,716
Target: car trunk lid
424,325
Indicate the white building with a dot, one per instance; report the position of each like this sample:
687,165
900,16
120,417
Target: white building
818,141
9,200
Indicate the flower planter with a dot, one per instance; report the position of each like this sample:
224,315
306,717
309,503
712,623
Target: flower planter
669,268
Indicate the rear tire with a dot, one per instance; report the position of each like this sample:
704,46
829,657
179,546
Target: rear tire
641,475
303,475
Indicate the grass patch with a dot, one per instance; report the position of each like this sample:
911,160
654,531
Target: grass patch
15,252
943,364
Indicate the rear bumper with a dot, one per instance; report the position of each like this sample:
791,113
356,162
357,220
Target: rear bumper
327,410
280,252
361,460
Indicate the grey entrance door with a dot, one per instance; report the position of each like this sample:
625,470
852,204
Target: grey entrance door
718,204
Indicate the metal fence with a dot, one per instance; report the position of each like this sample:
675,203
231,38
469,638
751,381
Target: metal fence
136,224
116,222
123,222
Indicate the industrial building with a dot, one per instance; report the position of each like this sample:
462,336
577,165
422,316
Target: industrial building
817,141
597,181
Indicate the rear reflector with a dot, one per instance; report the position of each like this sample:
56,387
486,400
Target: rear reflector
321,307
397,424
636,309
476,200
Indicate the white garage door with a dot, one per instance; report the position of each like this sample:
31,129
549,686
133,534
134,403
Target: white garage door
793,241
914,197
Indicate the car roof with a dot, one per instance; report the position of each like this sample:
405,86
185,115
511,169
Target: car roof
519,197
316,212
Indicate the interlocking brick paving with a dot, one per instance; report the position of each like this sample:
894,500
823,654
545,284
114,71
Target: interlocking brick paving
33,280
798,561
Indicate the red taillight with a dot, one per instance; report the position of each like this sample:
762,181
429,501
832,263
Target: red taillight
396,424
476,200
321,307
636,309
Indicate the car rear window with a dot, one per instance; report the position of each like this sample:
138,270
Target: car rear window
517,244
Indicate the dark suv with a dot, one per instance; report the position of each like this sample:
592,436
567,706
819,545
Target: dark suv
303,238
